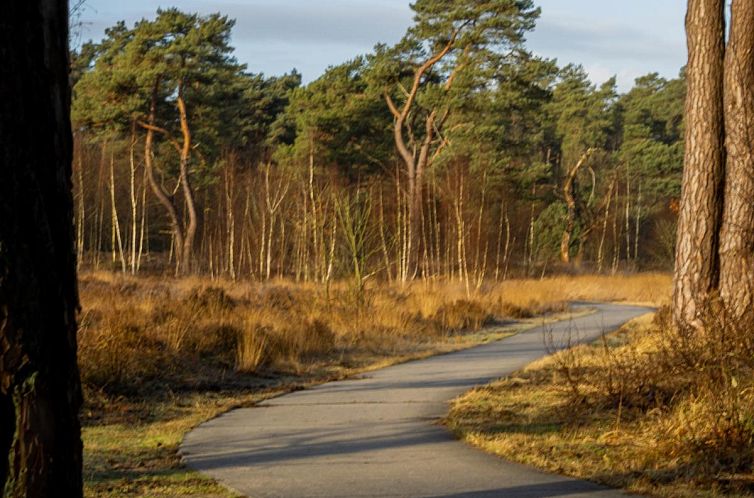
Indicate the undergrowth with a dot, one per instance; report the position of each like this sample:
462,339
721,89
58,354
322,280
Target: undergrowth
159,356
651,408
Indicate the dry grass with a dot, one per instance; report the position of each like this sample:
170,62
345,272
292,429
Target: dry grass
160,356
650,409
644,288
142,334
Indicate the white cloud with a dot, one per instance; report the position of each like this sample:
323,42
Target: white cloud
627,39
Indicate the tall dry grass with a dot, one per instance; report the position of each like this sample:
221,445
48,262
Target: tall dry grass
652,408
158,356
645,288
184,332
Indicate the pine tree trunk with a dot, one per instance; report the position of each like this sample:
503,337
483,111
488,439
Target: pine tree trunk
163,197
187,263
737,235
40,394
696,267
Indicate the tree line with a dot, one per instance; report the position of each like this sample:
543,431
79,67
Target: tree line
184,157
454,153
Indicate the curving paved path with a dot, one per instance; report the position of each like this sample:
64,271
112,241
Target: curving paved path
377,436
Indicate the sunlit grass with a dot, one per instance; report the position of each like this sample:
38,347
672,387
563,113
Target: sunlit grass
158,357
643,410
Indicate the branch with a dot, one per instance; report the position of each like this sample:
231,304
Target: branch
444,143
456,70
594,186
426,67
391,105
163,132
403,89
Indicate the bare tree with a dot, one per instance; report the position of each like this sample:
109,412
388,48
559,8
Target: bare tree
40,393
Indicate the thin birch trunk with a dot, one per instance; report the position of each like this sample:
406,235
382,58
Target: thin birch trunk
115,223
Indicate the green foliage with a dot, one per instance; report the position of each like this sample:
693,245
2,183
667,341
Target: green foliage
179,54
653,134
482,25
341,121
584,116
506,124
466,96
549,229
442,73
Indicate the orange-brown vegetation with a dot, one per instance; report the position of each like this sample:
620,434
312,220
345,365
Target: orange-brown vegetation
159,356
652,409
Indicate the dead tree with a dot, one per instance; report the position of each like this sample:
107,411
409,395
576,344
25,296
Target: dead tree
572,206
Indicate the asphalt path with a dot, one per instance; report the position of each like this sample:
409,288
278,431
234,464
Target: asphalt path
378,435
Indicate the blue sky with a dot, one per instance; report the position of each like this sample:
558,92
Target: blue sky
627,38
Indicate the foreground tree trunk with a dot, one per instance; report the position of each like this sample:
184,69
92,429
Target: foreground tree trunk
696,267
40,395
737,236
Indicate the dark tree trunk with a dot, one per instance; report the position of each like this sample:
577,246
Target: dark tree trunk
40,395
737,236
696,267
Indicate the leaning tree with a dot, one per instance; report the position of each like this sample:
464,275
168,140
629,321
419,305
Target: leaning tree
454,47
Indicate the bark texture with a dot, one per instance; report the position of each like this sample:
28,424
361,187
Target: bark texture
737,235
40,395
696,271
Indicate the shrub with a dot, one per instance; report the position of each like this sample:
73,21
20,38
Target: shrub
252,348
114,353
461,315
691,393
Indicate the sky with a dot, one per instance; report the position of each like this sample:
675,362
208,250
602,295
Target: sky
625,38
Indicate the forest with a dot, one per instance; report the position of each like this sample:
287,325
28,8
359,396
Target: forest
456,153
447,236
